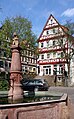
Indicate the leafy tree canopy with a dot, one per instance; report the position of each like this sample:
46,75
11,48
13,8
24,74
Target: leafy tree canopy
23,28
70,26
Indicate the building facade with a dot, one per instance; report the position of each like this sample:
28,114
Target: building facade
53,48
28,59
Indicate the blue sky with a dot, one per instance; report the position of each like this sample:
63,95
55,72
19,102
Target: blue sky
38,11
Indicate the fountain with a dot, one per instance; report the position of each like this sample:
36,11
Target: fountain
15,93
35,105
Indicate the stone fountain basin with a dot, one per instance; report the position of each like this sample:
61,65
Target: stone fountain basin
42,109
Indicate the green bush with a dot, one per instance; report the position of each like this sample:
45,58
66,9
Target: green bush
4,85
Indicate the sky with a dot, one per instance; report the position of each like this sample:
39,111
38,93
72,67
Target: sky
38,11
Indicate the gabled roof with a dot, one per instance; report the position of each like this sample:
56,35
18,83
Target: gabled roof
65,29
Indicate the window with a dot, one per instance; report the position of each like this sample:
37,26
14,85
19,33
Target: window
33,69
47,32
1,64
47,43
62,54
58,55
54,55
53,43
48,55
30,53
51,21
33,61
53,30
41,44
42,56
26,52
23,69
50,70
4,54
50,43
29,59
46,71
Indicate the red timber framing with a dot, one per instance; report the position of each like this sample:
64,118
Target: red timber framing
46,38
48,35
58,25
52,61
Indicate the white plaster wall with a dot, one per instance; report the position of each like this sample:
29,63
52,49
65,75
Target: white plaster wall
45,44
44,56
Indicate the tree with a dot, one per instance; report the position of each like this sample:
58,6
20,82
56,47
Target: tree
70,33
64,42
70,26
23,28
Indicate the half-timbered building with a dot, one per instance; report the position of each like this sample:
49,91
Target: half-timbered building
53,46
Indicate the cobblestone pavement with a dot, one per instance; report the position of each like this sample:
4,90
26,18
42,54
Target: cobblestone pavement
70,92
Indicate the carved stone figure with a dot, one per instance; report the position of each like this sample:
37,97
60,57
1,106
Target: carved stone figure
15,40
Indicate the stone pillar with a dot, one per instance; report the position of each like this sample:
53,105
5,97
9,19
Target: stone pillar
15,92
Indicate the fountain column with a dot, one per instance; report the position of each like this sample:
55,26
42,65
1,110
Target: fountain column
15,92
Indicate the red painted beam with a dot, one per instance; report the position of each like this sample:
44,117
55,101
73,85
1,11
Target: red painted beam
45,63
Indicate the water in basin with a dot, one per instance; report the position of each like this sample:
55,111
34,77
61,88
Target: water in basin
32,97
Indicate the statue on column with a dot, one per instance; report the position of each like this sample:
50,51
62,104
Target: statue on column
16,91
